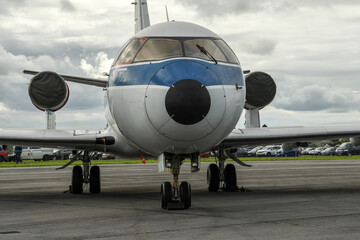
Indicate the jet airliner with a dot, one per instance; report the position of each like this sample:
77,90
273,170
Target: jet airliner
175,90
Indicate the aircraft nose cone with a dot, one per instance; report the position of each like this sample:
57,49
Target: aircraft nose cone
187,102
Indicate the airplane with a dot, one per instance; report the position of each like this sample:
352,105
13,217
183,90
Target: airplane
175,90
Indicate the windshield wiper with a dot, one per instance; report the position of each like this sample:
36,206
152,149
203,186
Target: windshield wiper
206,52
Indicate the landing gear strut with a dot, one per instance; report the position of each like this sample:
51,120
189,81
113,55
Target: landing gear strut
90,175
223,177
175,195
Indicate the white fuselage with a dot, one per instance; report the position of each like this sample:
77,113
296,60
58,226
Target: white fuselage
179,105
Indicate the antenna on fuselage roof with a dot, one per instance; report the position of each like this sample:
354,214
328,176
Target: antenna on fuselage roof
141,15
167,13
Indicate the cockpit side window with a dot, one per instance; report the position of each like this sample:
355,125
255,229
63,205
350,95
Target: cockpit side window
159,49
230,55
129,52
191,50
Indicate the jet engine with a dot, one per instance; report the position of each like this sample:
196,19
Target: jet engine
260,90
48,91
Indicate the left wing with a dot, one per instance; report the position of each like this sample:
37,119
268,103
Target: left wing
92,141
88,81
260,136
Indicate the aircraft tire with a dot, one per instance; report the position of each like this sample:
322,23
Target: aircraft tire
77,180
213,178
230,177
95,179
185,194
166,194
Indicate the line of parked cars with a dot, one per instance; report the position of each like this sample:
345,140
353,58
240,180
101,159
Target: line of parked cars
345,149
46,154
266,151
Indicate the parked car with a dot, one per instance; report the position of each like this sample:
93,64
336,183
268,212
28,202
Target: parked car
4,156
36,153
328,151
205,155
316,151
96,155
289,153
242,152
306,151
252,152
62,154
107,156
347,149
92,156
268,151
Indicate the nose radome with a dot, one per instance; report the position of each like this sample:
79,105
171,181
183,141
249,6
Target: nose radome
187,102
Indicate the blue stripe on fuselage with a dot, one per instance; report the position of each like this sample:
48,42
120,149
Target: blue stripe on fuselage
176,69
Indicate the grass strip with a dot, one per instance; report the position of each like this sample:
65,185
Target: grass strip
32,163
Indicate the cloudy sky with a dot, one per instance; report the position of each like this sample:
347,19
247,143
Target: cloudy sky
311,49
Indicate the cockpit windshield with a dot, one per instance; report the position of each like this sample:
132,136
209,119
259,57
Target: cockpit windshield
129,52
159,49
191,50
155,49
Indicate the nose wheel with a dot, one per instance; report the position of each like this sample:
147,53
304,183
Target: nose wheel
172,199
175,196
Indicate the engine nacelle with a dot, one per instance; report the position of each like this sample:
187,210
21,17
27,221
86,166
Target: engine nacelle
260,90
48,91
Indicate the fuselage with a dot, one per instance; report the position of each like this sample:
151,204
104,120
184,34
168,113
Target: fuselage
176,88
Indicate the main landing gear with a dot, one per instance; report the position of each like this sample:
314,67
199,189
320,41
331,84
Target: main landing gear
88,175
223,177
175,195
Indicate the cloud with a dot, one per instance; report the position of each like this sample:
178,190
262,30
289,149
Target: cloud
258,46
15,84
10,5
318,98
274,117
309,47
213,8
210,8
102,65
67,6
16,63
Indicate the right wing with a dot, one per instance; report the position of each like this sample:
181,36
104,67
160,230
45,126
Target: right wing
82,80
278,135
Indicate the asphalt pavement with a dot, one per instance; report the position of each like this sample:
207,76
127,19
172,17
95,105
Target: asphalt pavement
281,200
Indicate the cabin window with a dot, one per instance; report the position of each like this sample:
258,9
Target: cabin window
230,55
159,49
191,50
129,52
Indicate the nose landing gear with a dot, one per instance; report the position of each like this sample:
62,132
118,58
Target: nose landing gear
175,196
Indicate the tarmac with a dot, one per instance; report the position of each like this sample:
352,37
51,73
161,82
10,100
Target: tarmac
281,200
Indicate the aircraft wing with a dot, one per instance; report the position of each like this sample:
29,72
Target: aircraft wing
82,80
82,140
264,136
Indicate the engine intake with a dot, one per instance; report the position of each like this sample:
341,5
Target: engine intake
48,91
260,90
